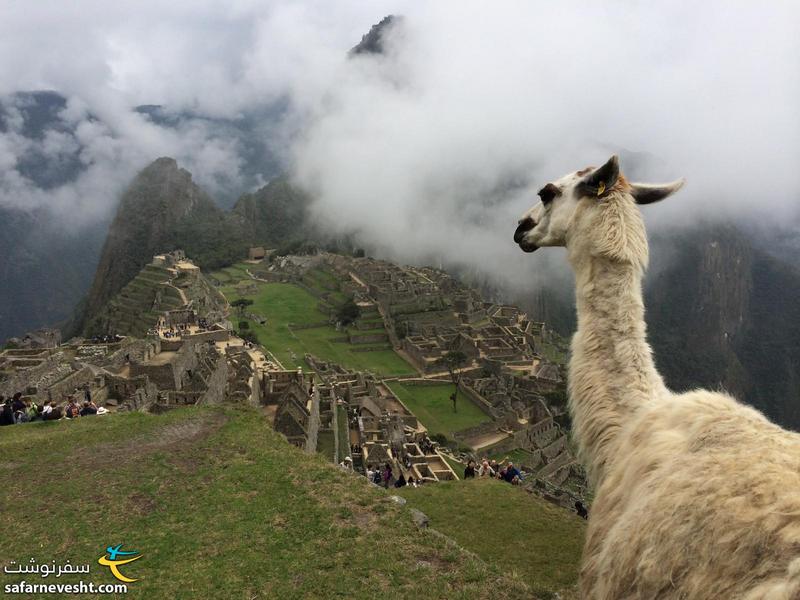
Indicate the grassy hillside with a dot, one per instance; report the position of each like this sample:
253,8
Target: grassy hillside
520,533
220,506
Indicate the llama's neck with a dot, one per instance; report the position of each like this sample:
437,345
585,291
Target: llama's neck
611,369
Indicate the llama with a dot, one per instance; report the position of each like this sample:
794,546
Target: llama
696,495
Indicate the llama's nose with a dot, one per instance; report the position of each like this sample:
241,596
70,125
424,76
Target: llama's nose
525,225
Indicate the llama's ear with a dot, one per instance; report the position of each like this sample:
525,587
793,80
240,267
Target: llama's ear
647,193
600,181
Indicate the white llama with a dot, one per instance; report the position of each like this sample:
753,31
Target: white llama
696,495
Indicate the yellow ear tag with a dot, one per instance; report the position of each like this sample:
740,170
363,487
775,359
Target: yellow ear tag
601,188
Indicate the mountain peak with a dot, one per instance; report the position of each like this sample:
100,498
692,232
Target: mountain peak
373,41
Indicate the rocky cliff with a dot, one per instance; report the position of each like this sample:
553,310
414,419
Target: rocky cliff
723,314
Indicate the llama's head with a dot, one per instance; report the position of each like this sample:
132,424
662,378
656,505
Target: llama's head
591,210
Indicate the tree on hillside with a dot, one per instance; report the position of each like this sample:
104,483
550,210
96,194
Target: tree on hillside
348,312
453,361
241,304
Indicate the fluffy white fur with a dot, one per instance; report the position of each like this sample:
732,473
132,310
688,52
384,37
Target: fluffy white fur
697,495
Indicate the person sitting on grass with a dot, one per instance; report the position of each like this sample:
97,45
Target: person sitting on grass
88,408
53,414
6,412
401,481
72,411
21,415
485,469
512,473
411,481
34,411
469,470
17,404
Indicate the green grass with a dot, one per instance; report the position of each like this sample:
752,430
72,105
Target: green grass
432,406
528,536
220,506
284,304
519,456
457,466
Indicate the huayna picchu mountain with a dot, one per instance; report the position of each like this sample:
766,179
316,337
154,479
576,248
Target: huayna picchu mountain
162,210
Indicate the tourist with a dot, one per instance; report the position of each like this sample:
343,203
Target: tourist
6,412
469,471
377,476
34,411
54,414
485,469
401,481
87,393
370,473
88,409
411,481
347,463
581,510
72,411
387,476
47,409
21,415
511,473
16,402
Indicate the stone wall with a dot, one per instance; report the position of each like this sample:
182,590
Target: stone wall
20,381
215,335
68,384
217,383
372,338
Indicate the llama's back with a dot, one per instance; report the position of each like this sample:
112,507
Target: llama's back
704,502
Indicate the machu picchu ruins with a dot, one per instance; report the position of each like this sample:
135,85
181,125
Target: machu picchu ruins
169,339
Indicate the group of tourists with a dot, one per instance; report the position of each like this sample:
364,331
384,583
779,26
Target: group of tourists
16,410
505,471
106,339
384,477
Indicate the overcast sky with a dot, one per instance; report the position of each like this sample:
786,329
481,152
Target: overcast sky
433,150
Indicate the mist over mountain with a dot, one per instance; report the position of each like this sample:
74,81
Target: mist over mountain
422,143
59,194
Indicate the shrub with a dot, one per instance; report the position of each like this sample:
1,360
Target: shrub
248,336
348,312
440,438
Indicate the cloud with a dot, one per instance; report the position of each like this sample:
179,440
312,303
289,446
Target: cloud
231,79
433,150
430,152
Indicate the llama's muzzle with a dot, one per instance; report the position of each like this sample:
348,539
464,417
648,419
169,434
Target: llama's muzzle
525,225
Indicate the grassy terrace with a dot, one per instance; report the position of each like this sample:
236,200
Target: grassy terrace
432,406
220,506
517,531
285,304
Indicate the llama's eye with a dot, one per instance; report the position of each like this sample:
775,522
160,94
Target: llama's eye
548,193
